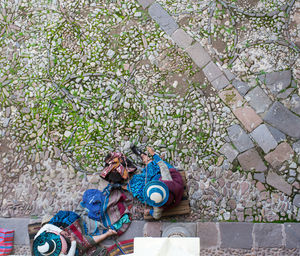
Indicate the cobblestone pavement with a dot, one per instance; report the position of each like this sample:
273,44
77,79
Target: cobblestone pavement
209,92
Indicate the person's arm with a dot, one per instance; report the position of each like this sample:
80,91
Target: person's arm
102,237
156,212
156,158
164,169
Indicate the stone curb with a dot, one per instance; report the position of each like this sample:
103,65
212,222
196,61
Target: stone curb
238,235
251,106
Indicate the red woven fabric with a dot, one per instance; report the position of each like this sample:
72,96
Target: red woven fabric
117,162
6,241
83,242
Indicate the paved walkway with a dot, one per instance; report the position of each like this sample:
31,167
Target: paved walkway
267,140
258,180
214,236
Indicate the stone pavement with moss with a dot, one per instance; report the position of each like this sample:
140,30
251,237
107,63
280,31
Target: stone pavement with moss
211,85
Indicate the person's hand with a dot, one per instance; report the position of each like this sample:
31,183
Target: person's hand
146,159
151,151
111,232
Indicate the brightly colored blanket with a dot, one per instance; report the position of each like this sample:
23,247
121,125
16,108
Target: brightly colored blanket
6,241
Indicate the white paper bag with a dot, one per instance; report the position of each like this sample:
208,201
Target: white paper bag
166,246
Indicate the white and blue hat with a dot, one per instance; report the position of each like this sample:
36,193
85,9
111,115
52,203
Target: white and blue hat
156,193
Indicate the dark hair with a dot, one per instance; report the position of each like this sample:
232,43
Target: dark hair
115,177
108,156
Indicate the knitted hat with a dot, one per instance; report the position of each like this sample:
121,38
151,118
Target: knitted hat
48,243
156,193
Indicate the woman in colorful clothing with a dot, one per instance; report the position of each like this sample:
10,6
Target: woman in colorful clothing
69,238
159,185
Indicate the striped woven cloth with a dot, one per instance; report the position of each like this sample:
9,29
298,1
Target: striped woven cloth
121,247
6,241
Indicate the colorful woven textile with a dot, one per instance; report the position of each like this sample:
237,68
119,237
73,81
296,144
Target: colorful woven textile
111,213
116,205
120,248
6,241
118,162
64,218
85,244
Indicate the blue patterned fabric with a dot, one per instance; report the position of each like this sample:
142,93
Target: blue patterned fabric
52,239
92,200
64,218
137,183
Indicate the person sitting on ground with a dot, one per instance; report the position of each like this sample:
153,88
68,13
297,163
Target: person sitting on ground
162,188
52,240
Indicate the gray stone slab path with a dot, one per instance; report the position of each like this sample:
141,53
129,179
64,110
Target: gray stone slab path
20,225
166,22
277,135
258,99
278,81
250,160
241,87
228,151
198,54
283,119
182,39
278,120
292,235
264,138
209,234
212,71
236,235
220,82
146,3
268,235
239,138
283,152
